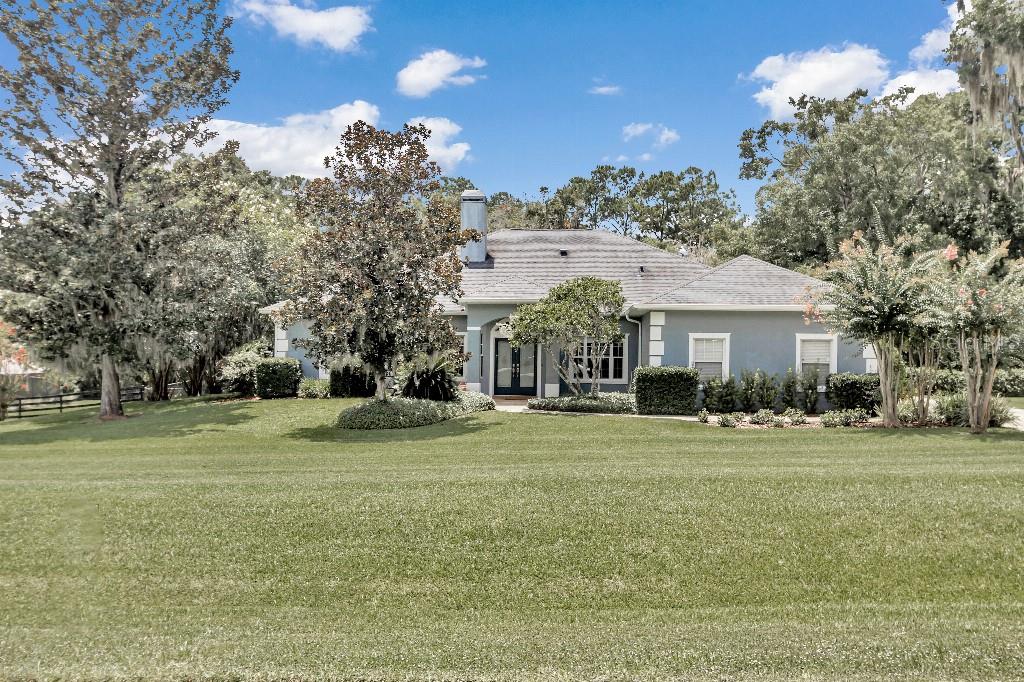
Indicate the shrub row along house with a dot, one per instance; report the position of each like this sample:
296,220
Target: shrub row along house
744,314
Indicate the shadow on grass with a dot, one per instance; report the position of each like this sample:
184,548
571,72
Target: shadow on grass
453,428
185,417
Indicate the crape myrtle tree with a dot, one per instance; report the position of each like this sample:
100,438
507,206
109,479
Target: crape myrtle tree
577,318
876,296
382,251
103,91
978,301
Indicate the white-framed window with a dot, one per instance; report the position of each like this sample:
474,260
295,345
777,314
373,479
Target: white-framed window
460,369
709,354
613,366
818,353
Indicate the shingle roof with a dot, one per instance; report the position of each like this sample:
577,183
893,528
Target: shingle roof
744,281
526,263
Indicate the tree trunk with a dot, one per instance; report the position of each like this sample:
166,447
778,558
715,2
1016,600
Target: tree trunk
194,374
382,385
160,381
110,390
888,381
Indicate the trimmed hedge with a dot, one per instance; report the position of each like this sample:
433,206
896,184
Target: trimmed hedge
607,403
278,377
1008,382
848,391
352,382
666,390
404,413
314,388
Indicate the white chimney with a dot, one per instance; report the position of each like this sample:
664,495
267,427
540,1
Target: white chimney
474,217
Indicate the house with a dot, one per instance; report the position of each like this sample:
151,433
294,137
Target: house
743,314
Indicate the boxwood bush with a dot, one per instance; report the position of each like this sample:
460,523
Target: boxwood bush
847,391
834,418
607,403
666,390
404,413
314,388
278,377
1008,382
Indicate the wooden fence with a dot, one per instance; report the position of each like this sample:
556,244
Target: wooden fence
37,405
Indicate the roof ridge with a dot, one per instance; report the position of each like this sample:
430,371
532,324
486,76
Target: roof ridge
777,267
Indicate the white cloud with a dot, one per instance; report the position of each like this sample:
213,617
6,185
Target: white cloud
338,28
299,143
436,69
646,156
636,130
663,135
934,43
824,73
440,145
924,81
605,90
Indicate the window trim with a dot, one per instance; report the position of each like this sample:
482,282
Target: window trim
462,375
833,359
725,336
625,363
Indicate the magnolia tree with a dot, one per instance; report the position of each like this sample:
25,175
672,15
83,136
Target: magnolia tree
876,296
102,91
369,276
978,301
12,356
576,313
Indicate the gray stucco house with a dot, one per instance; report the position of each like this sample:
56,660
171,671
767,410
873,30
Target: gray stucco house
743,314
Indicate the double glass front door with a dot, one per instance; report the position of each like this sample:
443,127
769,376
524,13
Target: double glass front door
515,369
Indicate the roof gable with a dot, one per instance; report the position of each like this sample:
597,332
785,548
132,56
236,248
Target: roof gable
743,281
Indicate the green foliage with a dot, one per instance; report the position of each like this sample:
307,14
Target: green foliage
748,390
950,409
602,403
730,420
350,381
789,393
795,416
720,396
762,417
809,391
835,418
386,247
577,311
777,422
767,390
430,381
237,372
314,388
404,413
278,377
703,416
666,390
848,390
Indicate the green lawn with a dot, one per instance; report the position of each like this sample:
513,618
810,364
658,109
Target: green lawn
1016,402
250,539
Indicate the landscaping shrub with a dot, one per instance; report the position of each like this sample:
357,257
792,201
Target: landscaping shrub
796,416
703,416
608,403
430,382
809,386
777,422
789,390
278,377
762,417
951,409
237,372
748,389
720,396
834,418
314,388
666,390
1008,382
403,413
351,382
731,420
847,390
767,390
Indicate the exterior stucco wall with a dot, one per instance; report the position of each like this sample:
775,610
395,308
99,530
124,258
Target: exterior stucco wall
758,340
284,346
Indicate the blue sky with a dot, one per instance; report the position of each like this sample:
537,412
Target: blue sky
513,89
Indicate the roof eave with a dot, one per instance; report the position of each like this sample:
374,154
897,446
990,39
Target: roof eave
789,307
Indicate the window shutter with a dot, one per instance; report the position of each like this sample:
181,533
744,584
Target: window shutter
816,352
708,350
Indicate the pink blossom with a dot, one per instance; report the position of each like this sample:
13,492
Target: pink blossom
951,252
982,292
